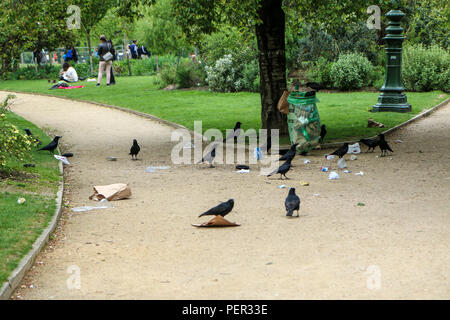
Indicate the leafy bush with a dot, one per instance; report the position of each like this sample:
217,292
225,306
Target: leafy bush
321,72
251,78
13,143
426,69
168,76
48,71
352,71
225,75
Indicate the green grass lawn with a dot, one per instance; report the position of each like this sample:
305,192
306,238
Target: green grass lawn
21,225
345,114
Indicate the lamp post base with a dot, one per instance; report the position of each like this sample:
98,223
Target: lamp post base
393,102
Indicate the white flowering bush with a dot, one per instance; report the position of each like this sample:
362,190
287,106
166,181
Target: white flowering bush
352,71
13,143
225,75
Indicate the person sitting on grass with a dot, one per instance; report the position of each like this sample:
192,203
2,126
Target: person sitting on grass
68,73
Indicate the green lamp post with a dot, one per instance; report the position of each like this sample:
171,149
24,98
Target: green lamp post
392,97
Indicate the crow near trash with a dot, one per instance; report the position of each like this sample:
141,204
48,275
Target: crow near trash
292,203
220,210
134,150
342,151
52,145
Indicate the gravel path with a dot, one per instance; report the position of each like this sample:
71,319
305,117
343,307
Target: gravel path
395,246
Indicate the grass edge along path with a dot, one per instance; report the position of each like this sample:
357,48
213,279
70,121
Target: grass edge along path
22,224
344,113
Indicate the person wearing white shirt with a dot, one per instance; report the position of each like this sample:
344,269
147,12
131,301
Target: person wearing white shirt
68,73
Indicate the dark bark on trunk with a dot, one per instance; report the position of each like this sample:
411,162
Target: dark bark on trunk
272,63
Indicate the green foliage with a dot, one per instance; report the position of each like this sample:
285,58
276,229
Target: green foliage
251,78
47,71
13,143
320,72
352,71
225,75
426,69
159,31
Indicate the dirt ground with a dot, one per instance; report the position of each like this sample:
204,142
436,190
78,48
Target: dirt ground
396,246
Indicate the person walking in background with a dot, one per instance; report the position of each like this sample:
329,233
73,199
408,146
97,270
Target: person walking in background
134,50
74,55
142,50
113,51
106,57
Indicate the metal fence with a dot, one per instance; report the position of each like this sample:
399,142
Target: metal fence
56,56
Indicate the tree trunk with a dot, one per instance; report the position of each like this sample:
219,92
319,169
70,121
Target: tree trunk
90,51
125,49
272,63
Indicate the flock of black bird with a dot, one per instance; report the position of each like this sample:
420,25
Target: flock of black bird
292,202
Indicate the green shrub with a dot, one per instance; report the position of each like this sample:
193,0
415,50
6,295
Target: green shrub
426,69
251,77
13,142
321,72
352,71
168,76
48,71
225,75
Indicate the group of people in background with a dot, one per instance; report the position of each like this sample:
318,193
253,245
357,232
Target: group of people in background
136,51
106,54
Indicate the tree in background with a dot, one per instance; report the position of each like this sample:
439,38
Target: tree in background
267,20
30,25
92,11
159,30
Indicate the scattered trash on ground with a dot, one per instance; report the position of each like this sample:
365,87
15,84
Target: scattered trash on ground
353,157
91,80
21,200
347,171
316,194
304,183
324,169
111,192
63,159
359,173
398,141
342,164
354,148
333,175
329,157
111,159
217,221
257,153
154,169
282,186
306,161
361,204
373,124
243,171
67,155
103,204
242,166
189,146
29,165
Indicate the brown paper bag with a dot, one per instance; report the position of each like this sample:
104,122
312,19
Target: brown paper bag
217,221
283,104
111,192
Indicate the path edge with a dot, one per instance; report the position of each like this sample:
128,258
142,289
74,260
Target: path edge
193,133
138,113
27,261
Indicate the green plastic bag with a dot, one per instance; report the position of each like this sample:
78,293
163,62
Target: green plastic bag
303,121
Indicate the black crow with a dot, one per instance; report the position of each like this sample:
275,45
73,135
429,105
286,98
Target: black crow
323,132
315,86
36,140
134,150
292,203
52,145
383,145
283,169
371,143
342,151
290,154
236,132
209,157
220,210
